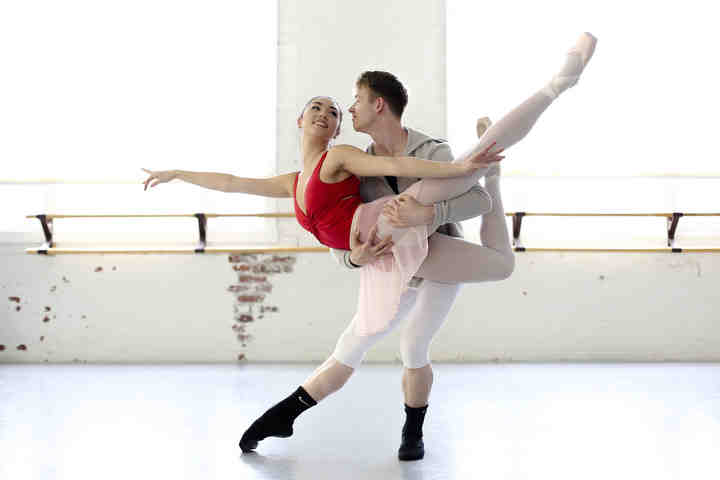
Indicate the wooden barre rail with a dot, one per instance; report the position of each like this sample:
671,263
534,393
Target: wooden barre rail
256,249
177,215
672,223
48,248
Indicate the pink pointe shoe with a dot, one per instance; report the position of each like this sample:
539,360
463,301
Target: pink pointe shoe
578,57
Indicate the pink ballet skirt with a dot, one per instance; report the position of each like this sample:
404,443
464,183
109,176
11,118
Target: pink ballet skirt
383,282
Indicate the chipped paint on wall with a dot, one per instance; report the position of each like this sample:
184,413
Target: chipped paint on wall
45,314
252,289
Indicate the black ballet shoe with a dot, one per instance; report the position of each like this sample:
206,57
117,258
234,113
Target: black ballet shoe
248,444
411,448
411,445
278,420
258,432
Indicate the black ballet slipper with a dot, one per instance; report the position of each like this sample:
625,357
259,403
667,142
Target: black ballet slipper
411,448
411,445
262,428
278,420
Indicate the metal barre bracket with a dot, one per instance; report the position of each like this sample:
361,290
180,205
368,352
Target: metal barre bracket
202,226
672,223
517,225
47,226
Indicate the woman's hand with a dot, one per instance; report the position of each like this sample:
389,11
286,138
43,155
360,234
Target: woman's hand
160,176
371,250
481,159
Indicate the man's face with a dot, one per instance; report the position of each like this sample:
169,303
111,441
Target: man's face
363,110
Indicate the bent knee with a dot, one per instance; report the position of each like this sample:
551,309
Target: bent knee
415,352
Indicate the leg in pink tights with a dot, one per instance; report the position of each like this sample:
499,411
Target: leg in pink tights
511,128
453,260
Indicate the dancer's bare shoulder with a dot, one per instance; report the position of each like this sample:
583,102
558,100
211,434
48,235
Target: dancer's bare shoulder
338,158
340,153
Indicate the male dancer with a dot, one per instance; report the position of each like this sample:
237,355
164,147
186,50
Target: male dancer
379,104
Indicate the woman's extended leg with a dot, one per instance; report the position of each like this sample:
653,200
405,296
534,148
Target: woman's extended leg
459,261
511,128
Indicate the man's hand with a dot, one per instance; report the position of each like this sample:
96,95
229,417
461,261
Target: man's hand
404,211
370,251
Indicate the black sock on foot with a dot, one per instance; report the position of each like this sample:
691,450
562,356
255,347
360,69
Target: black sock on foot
278,420
412,446
414,418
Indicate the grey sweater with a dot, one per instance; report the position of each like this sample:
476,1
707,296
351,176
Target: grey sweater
471,204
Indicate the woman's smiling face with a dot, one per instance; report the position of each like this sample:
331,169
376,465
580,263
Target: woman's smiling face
321,116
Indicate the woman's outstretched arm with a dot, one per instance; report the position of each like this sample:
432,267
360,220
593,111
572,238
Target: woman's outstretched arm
279,186
361,164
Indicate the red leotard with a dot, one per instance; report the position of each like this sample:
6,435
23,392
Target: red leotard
330,208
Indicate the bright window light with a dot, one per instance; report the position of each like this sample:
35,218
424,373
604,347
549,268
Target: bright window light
94,91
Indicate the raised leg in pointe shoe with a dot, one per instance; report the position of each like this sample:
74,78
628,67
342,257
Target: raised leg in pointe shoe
512,127
473,260
577,58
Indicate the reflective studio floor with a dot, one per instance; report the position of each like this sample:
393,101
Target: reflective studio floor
485,421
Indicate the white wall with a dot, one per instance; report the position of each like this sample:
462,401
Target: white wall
178,308
324,46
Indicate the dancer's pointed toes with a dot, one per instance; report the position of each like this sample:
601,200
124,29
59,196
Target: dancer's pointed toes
585,46
249,440
248,444
482,125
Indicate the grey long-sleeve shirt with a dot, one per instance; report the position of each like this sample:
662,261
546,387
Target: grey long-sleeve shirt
448,213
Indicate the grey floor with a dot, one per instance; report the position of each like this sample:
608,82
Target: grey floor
517,421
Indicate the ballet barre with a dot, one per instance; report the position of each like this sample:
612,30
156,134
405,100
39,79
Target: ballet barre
672,224
49,247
